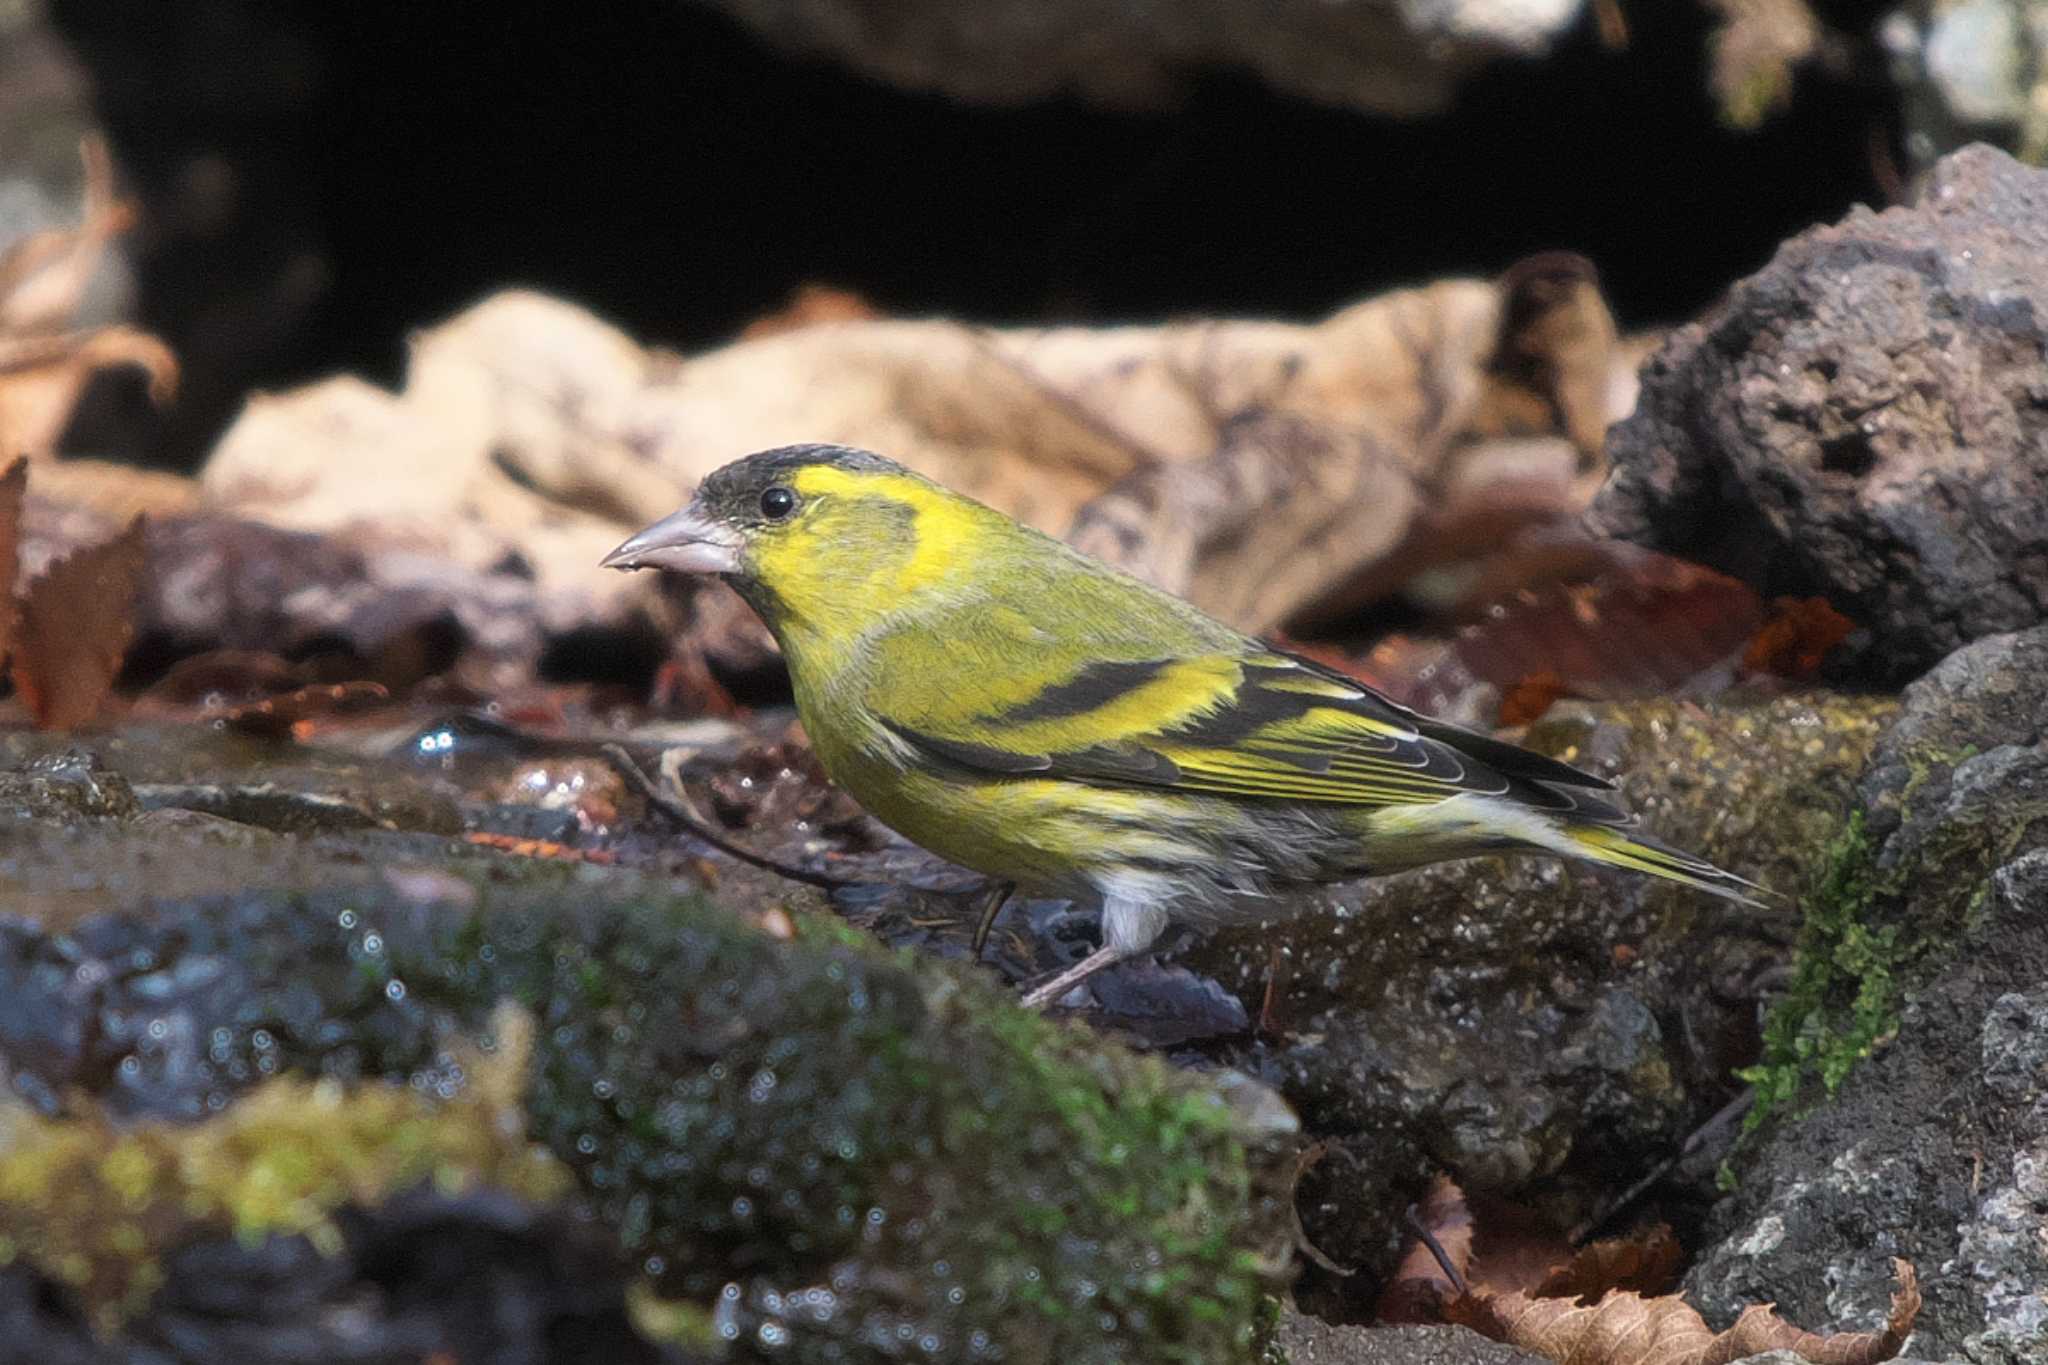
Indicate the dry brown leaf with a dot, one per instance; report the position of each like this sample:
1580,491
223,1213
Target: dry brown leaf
1795,641
44,365
1528,699
809,306
1644,1262
1418,1287
75,624
1258,467
42,377
44,275
1644,625
13,487
292,715
1624,1328
1756,51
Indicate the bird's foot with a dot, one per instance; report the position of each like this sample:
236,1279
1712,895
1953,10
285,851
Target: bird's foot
1057,985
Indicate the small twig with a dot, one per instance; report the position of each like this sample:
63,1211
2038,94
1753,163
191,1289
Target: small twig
1310,1156
1436,1249
680,815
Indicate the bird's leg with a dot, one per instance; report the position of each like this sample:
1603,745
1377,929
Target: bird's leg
998,897
1038,997
1131,921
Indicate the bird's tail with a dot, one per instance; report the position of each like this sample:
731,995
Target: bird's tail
1638,853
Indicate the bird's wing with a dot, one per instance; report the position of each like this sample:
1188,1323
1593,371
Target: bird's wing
1262,725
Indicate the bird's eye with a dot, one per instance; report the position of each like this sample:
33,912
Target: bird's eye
777,503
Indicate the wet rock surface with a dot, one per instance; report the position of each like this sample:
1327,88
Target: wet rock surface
810,1149
1304,1340
1866,419
1542,1032
183,933
1936,926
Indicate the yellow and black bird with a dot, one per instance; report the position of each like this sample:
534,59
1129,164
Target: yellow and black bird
1042,718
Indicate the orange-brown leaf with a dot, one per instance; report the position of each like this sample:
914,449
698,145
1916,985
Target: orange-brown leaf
1528,699
1793,642
1514,1247
13,485
1625,1328
1645,1262
538,848
1418,1285
291,714
74,628
1759,1329
810,305
1645,625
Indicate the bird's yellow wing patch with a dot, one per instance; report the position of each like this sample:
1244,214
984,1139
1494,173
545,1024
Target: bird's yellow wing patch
1258,726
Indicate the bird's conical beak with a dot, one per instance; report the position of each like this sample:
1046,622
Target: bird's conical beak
685,542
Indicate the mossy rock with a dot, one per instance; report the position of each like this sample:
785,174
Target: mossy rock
828,1151
1535,1027
1956,789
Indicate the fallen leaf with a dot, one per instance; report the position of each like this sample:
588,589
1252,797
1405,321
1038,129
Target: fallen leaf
1648,625
13,487
1258,467
1625,1328
224,677
1418,1287
44,363
1797,638
293,714
538,848
1646,1262
809,306
1530,698
75,624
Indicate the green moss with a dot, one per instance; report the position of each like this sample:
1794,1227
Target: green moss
1872,922
775,1115
1843,995
812,1142
94,1207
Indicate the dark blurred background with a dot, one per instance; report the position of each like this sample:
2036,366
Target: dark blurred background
317,179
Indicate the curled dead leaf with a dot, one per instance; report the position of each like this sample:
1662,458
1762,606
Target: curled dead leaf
44,363
1625,1328
74,628
1797,638
1418,1285
809,306
294,714
13,488
1645,1262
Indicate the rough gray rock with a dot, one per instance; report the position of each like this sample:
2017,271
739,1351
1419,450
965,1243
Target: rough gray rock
1305,1340
1540,1032
1866,419
1934,1148
1384,56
